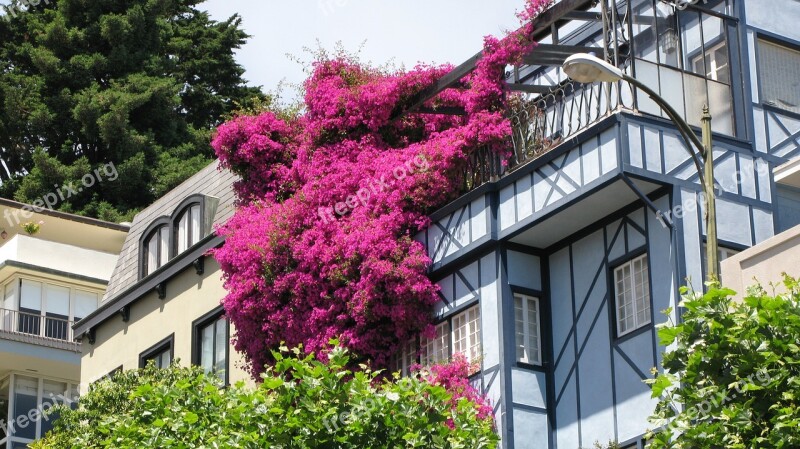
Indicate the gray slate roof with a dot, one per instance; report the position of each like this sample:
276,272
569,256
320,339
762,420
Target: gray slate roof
210,181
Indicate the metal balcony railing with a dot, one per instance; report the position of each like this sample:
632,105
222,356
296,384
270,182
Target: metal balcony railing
540,123
36,325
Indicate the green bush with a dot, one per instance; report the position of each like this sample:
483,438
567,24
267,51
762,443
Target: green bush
732,375
301,403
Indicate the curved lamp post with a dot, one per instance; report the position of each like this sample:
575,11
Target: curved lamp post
586,68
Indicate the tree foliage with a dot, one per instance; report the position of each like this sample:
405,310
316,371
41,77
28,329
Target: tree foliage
732,375
137,83
331,199
300,403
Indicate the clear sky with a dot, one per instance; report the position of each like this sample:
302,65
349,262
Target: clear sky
399,31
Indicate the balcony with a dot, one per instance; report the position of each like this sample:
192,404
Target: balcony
685,56
32,327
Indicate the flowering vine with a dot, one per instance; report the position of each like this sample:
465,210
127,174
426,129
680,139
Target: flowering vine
296,272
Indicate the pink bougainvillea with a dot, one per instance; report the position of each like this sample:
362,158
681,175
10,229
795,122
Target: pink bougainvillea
322,245
454,377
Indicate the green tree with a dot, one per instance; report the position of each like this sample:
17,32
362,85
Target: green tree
300,403
137,83
732,377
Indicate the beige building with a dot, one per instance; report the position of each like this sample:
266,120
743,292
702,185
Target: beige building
765,263
50,279
163,299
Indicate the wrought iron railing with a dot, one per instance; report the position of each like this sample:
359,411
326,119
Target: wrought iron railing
35,324
540,123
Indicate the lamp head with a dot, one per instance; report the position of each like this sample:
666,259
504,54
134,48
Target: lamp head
586,68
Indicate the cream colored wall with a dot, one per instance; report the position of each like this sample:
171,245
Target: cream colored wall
189,297
764,263
58,256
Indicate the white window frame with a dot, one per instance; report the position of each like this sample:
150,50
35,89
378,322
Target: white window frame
71,393
160,236
437,350
527,331
466,327
188,228
639,295
712,72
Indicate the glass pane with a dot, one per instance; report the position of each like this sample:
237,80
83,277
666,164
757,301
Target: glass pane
152,254
667,26
164,254
26,393
165,359
692,42
645,31
57,301
221,343
648,73
85,303
31,296
695,98
672,88
207,348
5,391
183,233
54,393
195,212
779,70
721,104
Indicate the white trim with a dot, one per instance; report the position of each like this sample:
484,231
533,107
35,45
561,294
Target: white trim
522,329
634,299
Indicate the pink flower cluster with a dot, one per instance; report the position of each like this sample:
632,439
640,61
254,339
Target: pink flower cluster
360,277
454,377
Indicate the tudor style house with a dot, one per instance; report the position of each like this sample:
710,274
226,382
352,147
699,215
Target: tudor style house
555,270
163,299
50,279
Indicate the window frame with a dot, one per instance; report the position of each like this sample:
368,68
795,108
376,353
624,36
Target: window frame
629,261
158,348
453,342
184,207
152,231
526,299
778,41
197,339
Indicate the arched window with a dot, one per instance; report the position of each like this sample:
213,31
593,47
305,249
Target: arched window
156,249
188,228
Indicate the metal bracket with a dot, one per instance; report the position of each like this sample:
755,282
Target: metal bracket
161,289
199,265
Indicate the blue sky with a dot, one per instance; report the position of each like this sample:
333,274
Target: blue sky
399,31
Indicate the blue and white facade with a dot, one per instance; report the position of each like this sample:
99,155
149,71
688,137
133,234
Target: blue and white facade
554,274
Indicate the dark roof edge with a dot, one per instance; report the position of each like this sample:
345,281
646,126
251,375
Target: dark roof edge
41,269
136,291
64,215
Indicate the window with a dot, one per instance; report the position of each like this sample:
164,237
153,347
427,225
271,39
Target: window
85,303
406,357
527,325
685,57
161,353
45,309
188,228
211,340
437,350
156,249
632,294
714,63
29,394
467,334
779,71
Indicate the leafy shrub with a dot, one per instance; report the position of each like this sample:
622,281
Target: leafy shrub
301,403
733,377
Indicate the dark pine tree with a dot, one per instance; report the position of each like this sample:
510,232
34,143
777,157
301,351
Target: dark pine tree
137,83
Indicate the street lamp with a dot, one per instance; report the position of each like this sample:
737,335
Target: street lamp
586,68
